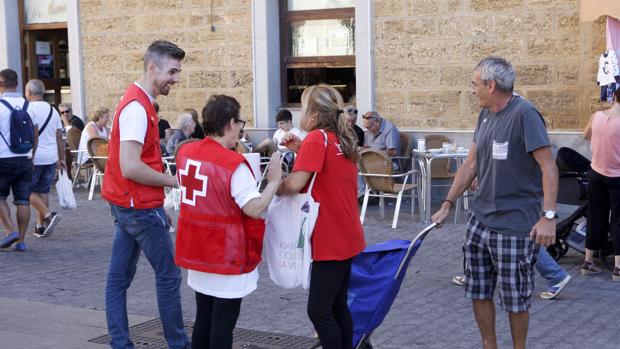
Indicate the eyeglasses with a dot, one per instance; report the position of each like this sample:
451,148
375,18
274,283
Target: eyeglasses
65,111
242,123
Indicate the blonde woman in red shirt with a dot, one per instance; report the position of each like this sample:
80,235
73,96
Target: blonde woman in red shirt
337,235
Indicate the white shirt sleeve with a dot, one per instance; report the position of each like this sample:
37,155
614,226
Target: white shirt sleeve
243,186
132,123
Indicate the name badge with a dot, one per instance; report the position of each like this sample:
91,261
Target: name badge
500,150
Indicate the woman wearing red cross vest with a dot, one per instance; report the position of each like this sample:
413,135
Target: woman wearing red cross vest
337,236
220,233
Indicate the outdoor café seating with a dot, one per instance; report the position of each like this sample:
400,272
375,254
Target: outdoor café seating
98,151
377,169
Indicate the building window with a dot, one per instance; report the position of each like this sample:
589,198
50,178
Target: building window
317,46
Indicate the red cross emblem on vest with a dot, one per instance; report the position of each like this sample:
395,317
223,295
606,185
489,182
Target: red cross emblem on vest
192,183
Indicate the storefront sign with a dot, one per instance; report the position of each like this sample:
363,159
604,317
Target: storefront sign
45,11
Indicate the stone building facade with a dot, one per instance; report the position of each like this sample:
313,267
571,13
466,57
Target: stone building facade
423,52
115,34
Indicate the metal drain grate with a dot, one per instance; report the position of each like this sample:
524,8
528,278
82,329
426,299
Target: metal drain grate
150,335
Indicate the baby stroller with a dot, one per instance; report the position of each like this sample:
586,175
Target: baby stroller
376,276
573,171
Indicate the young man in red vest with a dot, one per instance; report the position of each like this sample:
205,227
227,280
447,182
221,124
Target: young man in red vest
134,185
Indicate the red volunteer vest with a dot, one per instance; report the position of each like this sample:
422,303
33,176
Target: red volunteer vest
213,233
119,190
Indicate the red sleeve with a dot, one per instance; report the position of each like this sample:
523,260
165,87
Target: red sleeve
311,155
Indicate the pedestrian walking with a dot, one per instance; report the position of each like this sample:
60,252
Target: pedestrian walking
49,157
514,210
134,184
16,151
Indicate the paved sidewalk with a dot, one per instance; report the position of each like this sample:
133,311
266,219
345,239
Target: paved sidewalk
52,296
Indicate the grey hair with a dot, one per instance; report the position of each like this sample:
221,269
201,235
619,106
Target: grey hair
36,87
184,120
499,70
65,105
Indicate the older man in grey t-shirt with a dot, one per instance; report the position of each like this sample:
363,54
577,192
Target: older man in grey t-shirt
514,207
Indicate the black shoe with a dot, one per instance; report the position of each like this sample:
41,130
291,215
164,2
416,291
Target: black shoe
39,232
50,222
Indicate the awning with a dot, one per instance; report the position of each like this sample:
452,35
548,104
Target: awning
593,9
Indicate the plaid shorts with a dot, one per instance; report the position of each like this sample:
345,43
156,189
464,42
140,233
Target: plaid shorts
492,258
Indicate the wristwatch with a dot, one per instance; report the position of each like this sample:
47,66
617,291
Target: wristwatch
550,215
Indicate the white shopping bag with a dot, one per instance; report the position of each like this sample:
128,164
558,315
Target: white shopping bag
65,191
289,225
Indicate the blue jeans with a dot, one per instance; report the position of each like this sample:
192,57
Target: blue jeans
549,268
147,231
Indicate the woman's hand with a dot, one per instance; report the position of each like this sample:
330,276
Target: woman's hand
274,172
291,141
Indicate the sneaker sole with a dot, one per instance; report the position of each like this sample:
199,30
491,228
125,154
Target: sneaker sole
550,295
50,228
586,272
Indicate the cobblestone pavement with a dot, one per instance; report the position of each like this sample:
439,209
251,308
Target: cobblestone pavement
69,268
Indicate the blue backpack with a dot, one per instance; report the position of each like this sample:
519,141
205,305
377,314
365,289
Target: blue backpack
21,129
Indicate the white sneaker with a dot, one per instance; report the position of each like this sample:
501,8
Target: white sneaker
458,280
553,291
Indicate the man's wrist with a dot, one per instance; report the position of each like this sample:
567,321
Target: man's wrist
447,201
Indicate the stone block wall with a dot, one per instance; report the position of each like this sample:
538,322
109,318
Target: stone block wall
426,50
116,33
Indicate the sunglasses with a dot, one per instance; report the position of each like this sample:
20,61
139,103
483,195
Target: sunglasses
65,111
368,117
351,110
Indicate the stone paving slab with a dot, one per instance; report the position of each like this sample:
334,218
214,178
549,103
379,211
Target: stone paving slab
69,269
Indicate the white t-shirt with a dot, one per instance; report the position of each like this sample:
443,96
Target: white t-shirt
5,123
47,149
243,189
132,121
277,137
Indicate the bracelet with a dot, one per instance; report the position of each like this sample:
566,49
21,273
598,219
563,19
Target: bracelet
450,201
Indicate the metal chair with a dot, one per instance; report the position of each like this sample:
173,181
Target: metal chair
98,151
377,170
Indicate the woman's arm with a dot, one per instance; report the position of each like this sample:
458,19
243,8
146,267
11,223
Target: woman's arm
587,132
294,182
255,207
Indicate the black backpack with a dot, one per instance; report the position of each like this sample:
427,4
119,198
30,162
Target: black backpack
21,129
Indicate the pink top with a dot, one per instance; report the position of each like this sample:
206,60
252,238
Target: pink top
606,144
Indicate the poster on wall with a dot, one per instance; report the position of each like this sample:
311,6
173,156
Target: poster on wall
43,48
45,65
45,11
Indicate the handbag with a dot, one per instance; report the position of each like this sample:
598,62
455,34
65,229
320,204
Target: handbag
289,224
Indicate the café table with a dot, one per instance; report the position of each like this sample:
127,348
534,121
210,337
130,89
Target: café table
424,160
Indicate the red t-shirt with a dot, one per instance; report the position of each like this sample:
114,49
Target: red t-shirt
338,233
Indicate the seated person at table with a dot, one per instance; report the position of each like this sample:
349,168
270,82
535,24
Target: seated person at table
381,134
184,128
95,128
284,119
